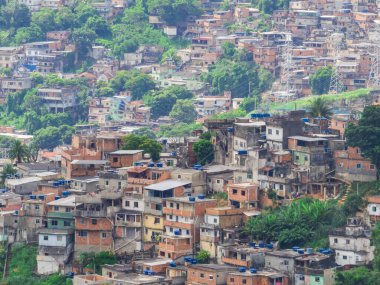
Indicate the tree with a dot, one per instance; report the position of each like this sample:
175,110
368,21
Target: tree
203,256
320,80
83,39
366,134
145,131
19,151
29,34
44,19
229,49
8,169
184,111
139,85
204,151
359,275
51,137
148,145
319,108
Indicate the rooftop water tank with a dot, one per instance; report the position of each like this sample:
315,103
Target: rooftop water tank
242,269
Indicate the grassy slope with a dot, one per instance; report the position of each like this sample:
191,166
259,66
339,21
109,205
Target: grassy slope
305,102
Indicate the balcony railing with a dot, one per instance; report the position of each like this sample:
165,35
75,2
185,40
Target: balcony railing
90,214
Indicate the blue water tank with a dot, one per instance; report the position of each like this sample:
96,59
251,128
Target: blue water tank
252,244
33,197
177,232
16,212
151,273
57,197
242,269
305,120
301,251
197,166
261,244
151,164
242,152
254,116
65,193
55,183
41,197
191,199
201,196
146,272
172,264
230,129
253,270
270,246
159,164
295,248
174,153
266,115
194,261
309,250
188,259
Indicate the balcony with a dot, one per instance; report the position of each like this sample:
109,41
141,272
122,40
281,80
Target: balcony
86,199
235,262
128,224
180,225
60,215
182,213
90,214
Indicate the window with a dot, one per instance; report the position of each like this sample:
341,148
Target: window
107,182
302,278
115,159
37,221
217,181
171,230
297,157
46,238
211,277
156,220
269,131
104,235
374,209
232,280
66,223
37,207
94,221
215,220
243,193
67,210
56,208
372,166
286,262
234,191
347,241
59,238
82,233
81,221
277,132
126,203
344,256
202,275
317,279
171,205
136,204
244,281
335,240
359,165
54,223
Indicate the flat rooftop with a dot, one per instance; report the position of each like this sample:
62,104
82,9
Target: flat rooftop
167,185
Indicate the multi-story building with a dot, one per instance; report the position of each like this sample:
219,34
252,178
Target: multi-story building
10,56
243,195
154,196
210,274
124,158
255,277
352,244
56,241
373,209
215,220
58,100
182,219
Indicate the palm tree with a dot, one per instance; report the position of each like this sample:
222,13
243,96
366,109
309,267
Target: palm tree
320,108
7,170
18,151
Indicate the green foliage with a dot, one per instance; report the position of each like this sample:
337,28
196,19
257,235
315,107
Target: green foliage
92,260
268,6
51,137
203,256
320,80
173,11
8,169
359,275
230,114
178,130
23,262
184,111
19,152
148,145
204,151
237,75
303,222
366,134
320,108
145,131
162,101
206,136
221,196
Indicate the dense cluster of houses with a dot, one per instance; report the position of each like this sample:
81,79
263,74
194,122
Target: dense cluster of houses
92,196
